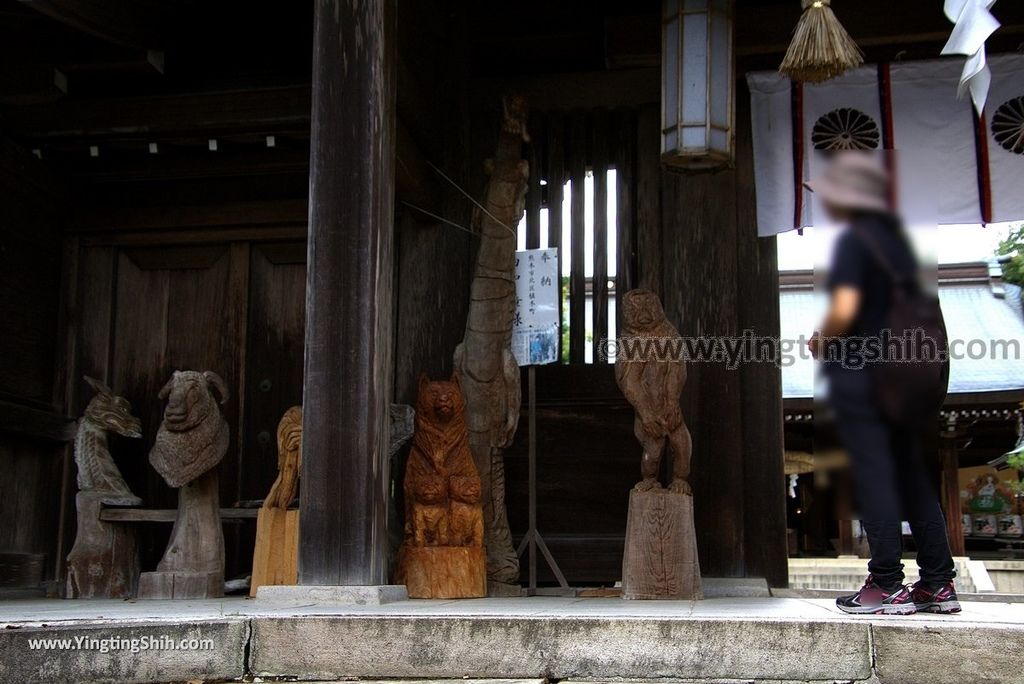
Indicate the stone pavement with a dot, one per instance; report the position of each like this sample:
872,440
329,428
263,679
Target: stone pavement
576,639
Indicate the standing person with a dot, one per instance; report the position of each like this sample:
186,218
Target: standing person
891,481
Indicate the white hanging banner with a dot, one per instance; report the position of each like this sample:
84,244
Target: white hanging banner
841,113
1004,135
772,128
949,166
535,328
935,135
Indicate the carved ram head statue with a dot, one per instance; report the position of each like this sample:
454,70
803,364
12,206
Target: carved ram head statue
193,436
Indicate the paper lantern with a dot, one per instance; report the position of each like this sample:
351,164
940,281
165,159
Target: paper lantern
697,84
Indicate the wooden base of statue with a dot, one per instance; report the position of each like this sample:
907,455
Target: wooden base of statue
104,562
660,561
442,572
276,556
193,564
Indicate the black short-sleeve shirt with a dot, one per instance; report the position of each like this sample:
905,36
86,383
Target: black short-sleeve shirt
855,265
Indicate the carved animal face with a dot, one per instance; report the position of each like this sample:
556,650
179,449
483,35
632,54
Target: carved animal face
111,412
190,400
289,433
514,114
641,310
466,489
439,400
430,490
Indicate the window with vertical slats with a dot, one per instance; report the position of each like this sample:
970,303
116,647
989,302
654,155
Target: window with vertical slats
580,200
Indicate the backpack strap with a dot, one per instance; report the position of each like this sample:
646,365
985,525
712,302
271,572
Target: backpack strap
899,280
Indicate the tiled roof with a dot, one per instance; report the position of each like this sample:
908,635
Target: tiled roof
972,312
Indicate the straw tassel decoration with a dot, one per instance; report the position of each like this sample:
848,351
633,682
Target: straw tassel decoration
821,48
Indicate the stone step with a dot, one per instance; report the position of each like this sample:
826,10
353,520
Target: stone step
847,573
576,639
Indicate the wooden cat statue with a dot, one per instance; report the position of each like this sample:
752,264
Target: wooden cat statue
443,554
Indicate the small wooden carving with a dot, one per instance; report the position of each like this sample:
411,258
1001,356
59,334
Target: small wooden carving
442,555
191,442
276,556
660,559
104,561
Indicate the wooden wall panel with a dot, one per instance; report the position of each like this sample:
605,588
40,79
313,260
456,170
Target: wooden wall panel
648,199
171,312
29,487
277,318
29,290
93,313
234,309
587,461
31,456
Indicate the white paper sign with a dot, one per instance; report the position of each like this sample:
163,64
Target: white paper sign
535,329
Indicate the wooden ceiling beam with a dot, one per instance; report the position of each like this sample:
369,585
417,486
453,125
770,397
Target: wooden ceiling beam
26,84
139,24
160,118
619,88
634,41
233,111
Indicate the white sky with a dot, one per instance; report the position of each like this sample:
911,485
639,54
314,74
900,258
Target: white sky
951,244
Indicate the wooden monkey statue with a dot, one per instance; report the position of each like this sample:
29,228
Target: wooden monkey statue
660,559
442,555
191,442
653,386
276,556
104,562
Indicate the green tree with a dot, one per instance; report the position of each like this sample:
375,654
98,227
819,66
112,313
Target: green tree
1013,246
1016,460
565,319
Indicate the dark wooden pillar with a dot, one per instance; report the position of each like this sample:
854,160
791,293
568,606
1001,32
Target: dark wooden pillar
700,280
697,245
343,538
764,479
951,490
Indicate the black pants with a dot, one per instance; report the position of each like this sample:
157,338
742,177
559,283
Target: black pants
891,484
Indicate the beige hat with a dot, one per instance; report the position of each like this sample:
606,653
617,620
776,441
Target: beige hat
854,180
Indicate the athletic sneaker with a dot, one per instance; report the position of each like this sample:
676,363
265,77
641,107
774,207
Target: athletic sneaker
874,600
942,600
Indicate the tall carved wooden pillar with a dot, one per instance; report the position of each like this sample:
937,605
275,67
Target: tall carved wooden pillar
347,377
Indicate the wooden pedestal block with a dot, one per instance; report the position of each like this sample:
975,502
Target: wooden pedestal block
104,562
660,561
276,557
193,564
181,585
443,571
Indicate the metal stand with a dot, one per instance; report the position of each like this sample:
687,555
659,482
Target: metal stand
532,539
